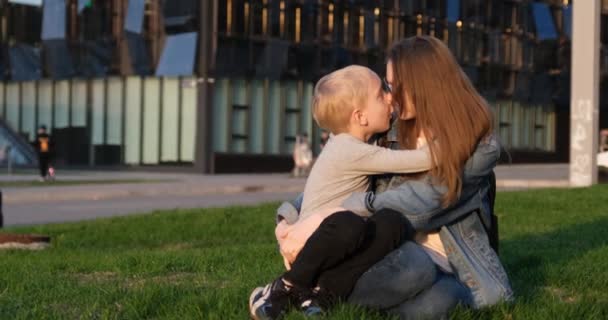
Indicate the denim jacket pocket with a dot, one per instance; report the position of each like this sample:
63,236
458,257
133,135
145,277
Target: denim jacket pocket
475,262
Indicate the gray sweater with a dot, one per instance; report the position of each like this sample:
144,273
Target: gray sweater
344,165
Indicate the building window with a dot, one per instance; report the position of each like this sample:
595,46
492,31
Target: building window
274,13
223,16
545,26
326,21
567,24
97,21
282,10
495,14
309,26
452,11
256,12
347,27
371,27
360,25
391,27
231,16
298,25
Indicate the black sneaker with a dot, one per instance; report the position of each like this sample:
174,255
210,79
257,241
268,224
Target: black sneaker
314,302
311,307
270,302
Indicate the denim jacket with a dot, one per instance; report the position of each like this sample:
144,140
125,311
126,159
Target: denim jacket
461,226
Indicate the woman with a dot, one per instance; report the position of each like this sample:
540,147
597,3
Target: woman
451,262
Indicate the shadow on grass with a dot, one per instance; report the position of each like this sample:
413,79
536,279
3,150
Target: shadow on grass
536,260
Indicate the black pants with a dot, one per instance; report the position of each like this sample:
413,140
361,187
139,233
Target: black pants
43,163
344,247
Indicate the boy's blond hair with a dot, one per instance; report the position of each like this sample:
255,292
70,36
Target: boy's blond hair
337,94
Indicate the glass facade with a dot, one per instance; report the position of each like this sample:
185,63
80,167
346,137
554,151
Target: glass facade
113,79
108,107
515,52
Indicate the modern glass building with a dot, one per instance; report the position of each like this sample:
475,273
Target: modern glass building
225,85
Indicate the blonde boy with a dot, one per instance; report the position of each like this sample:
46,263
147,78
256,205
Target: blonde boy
350,104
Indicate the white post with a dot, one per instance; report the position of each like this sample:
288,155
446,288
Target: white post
584,101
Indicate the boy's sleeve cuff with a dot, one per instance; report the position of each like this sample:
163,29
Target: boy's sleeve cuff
369,201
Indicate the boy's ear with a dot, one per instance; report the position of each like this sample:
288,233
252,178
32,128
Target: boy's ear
359,117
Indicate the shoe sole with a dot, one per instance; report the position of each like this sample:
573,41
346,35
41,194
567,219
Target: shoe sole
254,295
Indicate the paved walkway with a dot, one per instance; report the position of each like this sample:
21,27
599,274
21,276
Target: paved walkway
154,191
142,184
530,176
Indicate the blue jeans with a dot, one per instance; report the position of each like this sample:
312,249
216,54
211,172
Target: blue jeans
407,283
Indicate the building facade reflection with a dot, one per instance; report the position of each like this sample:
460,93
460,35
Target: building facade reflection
132,97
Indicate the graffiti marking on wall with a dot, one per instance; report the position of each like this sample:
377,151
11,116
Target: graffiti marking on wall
581,165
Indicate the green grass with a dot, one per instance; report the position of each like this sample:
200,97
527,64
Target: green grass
202,264
62,183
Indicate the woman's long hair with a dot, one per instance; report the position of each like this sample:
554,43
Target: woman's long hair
449,110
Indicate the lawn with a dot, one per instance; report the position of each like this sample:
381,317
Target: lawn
202,264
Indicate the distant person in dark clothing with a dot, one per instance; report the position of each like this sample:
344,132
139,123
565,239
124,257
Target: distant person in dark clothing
43,145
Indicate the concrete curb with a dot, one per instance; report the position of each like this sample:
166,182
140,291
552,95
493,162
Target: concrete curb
16,196
531,184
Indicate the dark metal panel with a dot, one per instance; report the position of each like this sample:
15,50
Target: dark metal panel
4,103
37,104
522,87
472,73
568,21
542,89
25,63
20,114
82,4
180,15
95,58
53,94
140,58
230,57
207,47
58,60
105,111
369,25
409,7
70,102
4,62
303,62
273,60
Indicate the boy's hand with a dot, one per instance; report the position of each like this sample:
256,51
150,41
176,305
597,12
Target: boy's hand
360,203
